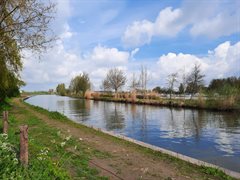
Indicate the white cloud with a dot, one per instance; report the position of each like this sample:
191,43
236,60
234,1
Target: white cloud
200,18
67,33
166,23
223,61
134,52
59,66
220,25
139,33
103,56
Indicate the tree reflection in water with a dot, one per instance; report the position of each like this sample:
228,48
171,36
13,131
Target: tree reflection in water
80,109
114,118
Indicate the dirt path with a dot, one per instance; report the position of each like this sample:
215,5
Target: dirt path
125,161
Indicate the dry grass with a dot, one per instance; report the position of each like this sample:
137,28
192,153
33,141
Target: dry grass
126,95
95,95
133,96
88,94
201,101
228,102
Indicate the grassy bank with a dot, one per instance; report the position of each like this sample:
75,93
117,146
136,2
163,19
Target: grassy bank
68,157
53,153
224,104
220,103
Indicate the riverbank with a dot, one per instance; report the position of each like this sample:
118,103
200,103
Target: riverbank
111,156
204,104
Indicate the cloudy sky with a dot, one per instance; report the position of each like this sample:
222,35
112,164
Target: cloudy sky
166,36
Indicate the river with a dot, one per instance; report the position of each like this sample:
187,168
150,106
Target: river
210,136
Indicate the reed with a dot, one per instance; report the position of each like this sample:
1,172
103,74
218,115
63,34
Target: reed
88,94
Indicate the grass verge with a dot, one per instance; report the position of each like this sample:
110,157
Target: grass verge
53,153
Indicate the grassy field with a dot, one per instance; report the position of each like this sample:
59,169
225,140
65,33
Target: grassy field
62,149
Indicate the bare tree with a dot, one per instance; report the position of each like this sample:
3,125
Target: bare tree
171,80
195,80
134,83
115,79
105,85
144,78
184,81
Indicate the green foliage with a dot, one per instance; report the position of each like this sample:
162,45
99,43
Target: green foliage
215,172
225,86
195,80
10,65
181,89
61,90
80,84
40,168
23,25
160,90
53,154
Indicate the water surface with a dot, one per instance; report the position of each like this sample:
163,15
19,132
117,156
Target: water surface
210,136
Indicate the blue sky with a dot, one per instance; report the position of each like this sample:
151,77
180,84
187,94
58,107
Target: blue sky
166,36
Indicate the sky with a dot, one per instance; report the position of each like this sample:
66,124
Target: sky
166,36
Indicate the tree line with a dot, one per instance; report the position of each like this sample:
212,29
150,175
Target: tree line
191,83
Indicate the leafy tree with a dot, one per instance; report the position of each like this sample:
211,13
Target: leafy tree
195,80
9,68
23,26
80,84
61,90
160,90
181,89
225,86
115,79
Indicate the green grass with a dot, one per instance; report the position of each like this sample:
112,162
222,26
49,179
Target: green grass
184,166
66,158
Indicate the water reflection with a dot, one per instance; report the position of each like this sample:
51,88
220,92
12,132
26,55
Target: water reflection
114,118
79,109
211,136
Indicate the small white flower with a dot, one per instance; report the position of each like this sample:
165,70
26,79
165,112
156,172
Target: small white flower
5,136
15,160
63,144
68,138
80,139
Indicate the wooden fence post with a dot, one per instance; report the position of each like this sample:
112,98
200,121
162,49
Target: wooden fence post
5,122
24,145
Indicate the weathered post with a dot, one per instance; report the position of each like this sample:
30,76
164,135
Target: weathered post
5,122
24,145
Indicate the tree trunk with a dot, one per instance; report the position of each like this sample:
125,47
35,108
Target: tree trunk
24,145
5,122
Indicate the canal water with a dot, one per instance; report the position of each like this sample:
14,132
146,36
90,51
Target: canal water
210,136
